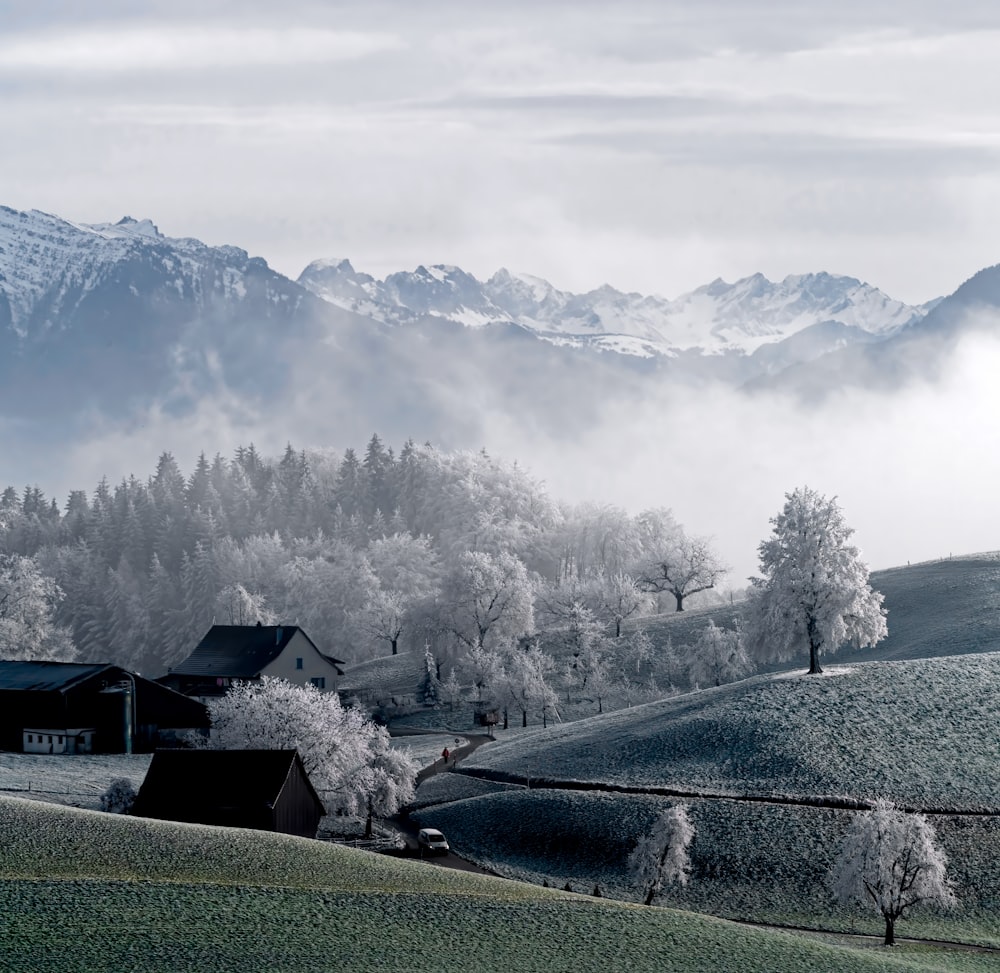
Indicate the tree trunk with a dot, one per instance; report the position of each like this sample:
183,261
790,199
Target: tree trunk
368,821
618,628
649,896
680,601
890,931
814,667
524,717
395,646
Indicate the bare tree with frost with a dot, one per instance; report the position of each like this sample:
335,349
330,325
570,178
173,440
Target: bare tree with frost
661,857
891,861
814,594
674,563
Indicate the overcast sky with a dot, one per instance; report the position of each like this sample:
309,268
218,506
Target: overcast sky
653,146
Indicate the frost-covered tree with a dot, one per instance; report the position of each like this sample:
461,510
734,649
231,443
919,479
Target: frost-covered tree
814,594
891,861
430,685
661,857
527,676
451,690
382,617
339,746
617,597
486,670
718,656
674,563
488,599
388,782
234,605
28,600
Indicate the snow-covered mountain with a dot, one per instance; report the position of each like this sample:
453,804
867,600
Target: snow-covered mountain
741,317
102,315
49,267
107,324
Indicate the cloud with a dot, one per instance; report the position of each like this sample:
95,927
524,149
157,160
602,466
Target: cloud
170,48
917,472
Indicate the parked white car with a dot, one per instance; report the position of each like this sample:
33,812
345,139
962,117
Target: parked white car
432,842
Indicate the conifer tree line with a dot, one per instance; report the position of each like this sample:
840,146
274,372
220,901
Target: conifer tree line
370,554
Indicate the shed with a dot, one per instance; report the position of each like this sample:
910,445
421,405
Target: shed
244,653
91,707
264,790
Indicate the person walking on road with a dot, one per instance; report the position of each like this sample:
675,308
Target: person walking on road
444,754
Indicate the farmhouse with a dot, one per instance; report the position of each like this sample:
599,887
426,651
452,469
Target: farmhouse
71,707
265,790
231,653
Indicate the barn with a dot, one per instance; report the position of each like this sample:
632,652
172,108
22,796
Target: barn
264,790
79,707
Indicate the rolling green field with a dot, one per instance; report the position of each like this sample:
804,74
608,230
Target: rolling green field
80,891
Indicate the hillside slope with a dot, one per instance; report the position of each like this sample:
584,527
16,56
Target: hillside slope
936,608
116,893
921,732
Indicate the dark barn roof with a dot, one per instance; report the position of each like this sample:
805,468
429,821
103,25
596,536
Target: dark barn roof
235,788
240,651
47,677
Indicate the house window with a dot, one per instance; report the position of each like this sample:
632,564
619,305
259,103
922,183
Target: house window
31,739
298,663
58,739
50,739
319,682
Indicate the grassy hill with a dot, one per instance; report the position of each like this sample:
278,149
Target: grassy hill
936,608
80,891
924,733
751,861
761,758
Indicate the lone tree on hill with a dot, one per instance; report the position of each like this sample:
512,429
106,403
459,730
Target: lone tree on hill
891,861
815,590
661,857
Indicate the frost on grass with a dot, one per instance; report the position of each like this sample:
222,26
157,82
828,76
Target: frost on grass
756,861
921,732
444,788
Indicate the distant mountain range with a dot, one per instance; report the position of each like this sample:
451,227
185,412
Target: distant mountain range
112,319
715,319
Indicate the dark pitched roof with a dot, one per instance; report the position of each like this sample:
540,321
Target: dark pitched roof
238,651
47,676
187,785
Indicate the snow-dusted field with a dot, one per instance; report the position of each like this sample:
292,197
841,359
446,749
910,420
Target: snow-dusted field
755,861
78,779
80,890
922,732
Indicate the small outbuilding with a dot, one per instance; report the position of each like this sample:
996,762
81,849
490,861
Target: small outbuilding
264,790
244,653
